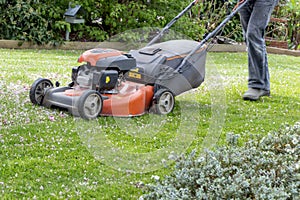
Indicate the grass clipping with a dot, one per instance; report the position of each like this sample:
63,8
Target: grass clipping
263,168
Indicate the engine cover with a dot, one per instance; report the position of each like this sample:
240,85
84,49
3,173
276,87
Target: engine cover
105,80
108,59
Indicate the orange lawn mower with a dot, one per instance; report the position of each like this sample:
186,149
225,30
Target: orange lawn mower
125,84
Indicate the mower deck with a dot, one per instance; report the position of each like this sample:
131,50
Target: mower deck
128,99
133,99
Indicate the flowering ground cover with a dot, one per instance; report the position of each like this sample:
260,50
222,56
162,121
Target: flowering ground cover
50,154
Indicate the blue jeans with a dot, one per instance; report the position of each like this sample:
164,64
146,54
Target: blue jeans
255,16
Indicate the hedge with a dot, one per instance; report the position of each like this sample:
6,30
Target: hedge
42,21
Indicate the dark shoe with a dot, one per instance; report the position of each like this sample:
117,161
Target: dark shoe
253,94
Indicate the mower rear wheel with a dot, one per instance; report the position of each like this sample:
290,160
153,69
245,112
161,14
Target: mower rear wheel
164,102
90,104
37,90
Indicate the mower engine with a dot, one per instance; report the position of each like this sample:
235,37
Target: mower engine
103,70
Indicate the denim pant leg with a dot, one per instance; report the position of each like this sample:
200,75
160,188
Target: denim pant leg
255,16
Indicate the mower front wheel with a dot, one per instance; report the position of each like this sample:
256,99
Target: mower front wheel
37,90
164,102
90,104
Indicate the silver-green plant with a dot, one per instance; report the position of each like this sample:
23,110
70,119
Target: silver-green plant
263,168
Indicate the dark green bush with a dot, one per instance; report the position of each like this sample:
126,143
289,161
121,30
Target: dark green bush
42,21
266,168
32,20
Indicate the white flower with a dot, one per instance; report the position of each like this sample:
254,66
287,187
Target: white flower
295,141
155,177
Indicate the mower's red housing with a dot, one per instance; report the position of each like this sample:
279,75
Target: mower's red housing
93,55
132,100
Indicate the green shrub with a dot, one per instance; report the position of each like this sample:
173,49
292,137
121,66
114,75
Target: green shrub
266,168
292,12
42,21
288,27
31,20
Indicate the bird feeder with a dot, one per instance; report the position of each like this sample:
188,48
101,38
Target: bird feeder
71,16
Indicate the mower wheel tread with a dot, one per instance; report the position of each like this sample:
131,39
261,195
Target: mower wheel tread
164,102
37,90
90,104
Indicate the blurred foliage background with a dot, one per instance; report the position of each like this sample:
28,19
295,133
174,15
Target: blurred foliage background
43,22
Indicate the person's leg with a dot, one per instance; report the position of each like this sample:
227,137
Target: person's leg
258,62
245,14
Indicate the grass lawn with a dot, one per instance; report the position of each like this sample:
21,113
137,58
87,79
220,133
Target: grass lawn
50,154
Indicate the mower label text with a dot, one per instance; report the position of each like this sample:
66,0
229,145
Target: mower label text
134,73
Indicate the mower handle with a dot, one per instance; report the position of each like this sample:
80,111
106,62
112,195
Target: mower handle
212,34
161,33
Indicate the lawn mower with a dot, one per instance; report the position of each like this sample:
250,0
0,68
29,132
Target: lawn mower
116,83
